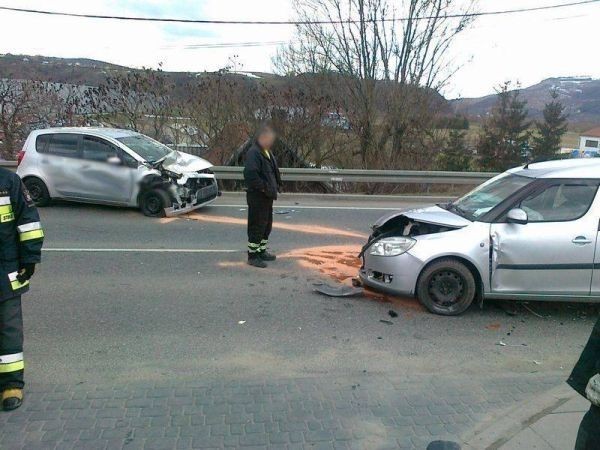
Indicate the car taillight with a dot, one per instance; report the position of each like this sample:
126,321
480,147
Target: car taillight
20,156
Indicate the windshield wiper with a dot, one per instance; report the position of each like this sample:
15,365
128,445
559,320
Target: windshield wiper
457,209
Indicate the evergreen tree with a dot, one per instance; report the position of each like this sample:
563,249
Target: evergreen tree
551,130
505,134
456,157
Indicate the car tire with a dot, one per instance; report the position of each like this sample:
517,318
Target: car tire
38,191
154,202
446,287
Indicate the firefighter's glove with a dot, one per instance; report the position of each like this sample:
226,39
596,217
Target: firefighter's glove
25,272
592,391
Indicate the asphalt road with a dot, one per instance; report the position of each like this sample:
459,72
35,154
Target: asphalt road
122,297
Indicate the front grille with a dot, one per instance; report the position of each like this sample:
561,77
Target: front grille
207,193
195,184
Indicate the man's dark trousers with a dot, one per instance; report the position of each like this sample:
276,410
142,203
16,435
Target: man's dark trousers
260,221
588,437
11,344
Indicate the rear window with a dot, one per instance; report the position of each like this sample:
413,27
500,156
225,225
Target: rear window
41,143
60,144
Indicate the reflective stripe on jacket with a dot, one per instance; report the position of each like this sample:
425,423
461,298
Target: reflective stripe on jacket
21,234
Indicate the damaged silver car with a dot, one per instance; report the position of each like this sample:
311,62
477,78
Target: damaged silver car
114,167
528,234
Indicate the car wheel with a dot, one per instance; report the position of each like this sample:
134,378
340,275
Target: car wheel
446,287
38,191
154,202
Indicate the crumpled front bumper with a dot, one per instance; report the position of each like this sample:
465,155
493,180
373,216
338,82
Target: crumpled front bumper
393,274
174,211
203,197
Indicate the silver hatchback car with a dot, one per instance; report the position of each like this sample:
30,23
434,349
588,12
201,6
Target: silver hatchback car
529,234
114,167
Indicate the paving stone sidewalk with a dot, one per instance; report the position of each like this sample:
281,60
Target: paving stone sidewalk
550,421
361,412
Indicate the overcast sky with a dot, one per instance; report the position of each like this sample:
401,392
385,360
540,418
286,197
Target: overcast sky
525,47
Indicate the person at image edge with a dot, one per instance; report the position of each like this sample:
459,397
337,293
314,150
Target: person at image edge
585,379
21,239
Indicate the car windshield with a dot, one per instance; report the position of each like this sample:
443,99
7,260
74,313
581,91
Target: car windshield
489,195
149,149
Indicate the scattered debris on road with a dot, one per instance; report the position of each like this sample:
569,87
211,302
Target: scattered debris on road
241,322
283,212
509,310
392,313
338,291
504,344
532,311
387,322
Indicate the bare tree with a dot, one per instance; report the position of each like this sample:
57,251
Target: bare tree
221,109
16,113
378,50
141,100
58,104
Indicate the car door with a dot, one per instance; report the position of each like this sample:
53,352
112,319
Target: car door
553,253
59,159
104,175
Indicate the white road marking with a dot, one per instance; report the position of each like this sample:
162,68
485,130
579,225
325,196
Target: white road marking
140,250
349,208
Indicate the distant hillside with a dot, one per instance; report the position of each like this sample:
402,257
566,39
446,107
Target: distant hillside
580,95
81,71
88,72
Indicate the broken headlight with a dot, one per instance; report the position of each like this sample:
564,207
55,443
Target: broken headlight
392,246
168,173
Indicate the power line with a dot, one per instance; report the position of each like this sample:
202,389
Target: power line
291,22
224,45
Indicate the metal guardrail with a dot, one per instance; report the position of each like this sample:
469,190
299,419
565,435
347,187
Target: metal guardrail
352,175
367,176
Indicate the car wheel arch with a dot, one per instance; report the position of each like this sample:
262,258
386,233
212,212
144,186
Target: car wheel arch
468,263
47,195
147,183
37,177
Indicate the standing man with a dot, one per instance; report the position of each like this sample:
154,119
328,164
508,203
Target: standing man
263,181
21,239
585,379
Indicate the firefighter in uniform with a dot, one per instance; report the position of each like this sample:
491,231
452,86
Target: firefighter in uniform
263,180
585,379
21,239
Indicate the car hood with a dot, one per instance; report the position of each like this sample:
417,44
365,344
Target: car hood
431,214
182,163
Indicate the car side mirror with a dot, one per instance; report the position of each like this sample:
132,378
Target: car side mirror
517,215
114,160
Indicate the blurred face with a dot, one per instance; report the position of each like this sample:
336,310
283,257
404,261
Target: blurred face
266,139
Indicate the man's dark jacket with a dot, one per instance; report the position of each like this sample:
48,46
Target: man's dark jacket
588,364
261,172
21,235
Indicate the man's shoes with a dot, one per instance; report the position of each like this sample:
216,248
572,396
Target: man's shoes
12,399
256,261
266,256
